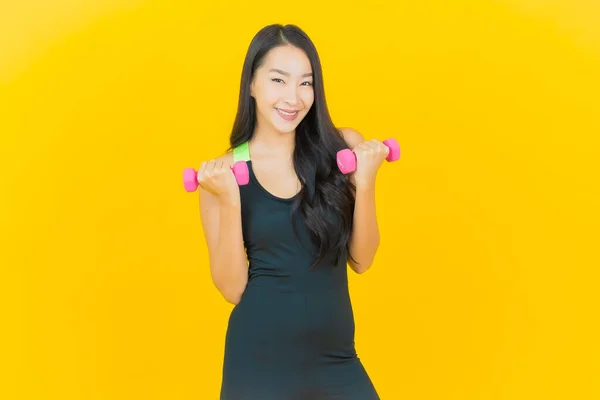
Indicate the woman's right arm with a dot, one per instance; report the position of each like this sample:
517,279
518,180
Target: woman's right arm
222,224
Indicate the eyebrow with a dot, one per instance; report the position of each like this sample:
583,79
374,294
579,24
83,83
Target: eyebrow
287,73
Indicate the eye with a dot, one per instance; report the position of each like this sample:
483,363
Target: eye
280,80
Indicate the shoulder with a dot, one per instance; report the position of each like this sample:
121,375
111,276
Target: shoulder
351,136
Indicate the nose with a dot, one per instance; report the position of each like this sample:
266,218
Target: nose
291,95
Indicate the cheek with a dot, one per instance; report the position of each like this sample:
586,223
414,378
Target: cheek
269,97
308,98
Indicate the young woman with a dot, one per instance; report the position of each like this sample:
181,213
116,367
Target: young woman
279,246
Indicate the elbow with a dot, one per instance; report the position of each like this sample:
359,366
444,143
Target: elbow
232,296
360,268
232,293
232,299
364,262
364,269
230,285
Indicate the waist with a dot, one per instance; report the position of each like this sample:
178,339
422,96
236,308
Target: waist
297,284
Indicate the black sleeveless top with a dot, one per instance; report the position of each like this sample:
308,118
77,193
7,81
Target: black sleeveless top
279,257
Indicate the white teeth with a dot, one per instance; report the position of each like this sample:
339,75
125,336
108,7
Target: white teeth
285,113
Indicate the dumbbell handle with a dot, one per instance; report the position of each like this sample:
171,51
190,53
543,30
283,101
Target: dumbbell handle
346,159
240,171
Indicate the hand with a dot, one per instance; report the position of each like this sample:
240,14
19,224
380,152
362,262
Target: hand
217,178
369,157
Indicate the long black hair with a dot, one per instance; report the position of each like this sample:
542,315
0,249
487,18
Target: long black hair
326,199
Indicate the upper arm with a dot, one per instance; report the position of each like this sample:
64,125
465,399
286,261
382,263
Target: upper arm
352,137
209,213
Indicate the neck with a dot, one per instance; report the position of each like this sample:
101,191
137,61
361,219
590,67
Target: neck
268,141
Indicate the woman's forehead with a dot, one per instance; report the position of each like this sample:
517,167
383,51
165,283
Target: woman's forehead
288,60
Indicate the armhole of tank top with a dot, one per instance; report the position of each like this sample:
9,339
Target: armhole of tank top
241,153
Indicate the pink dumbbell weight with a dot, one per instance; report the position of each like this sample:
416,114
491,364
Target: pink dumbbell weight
240,171
346,159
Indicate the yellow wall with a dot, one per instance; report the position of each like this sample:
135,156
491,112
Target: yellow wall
484,284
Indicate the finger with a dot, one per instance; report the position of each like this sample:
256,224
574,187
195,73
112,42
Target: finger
364,146
223,167
210,168
201,171
217,168
382,147
370,147
379,146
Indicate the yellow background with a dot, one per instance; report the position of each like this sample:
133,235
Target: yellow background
486,282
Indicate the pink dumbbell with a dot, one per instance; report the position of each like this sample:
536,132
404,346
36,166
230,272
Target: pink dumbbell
240,170
346,159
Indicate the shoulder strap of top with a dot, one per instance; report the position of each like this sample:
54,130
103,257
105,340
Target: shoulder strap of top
241,153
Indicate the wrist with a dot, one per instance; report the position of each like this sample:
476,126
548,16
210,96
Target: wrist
229,201
365,185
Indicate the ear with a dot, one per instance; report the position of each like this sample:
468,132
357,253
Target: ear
252,88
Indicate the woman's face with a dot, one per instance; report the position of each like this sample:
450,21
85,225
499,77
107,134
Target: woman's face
283,86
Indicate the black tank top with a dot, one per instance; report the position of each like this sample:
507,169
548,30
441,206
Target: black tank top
279,257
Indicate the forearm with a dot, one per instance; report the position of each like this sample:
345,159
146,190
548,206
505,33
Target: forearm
364,240
229,266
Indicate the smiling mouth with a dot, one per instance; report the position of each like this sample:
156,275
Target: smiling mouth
289,113
287,116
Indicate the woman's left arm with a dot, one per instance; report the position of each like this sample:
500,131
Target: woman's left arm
364,240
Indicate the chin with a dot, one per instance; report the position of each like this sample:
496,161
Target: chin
286,128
